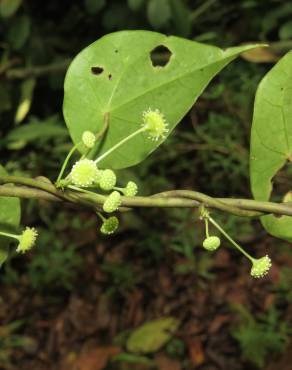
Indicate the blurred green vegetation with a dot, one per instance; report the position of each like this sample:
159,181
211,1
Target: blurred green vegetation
261,336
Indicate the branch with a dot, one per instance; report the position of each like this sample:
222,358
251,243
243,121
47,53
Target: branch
42,188
37,71
29,193
201,9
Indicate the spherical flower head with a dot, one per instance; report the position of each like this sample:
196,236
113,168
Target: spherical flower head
27,240
110,225
154,123
211,243
260,267
131,189
107,180
84,173
88,139
112,202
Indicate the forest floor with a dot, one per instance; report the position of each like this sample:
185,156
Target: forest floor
84,328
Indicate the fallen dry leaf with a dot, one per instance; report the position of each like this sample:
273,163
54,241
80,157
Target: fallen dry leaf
260,55
166,363
196,351
218,322
94,359
284,362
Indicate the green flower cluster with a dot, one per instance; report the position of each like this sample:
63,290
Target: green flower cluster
86,174
260,266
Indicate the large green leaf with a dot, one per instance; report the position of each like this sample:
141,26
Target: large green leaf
9,219
115,75
271,139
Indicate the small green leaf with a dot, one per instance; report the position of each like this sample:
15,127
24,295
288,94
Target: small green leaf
19,31
133,359
37,130
9,7
285,31
153,335
27,88
159,13
271,139
116,76
9,219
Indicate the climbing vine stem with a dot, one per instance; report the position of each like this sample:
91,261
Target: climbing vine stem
42,188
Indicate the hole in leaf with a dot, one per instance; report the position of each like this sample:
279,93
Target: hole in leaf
110,76
96,70
160,56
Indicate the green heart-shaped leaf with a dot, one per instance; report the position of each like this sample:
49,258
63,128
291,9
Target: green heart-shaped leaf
116,76
271,139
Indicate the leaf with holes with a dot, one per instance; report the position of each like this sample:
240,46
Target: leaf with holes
9,219
271,139
123,74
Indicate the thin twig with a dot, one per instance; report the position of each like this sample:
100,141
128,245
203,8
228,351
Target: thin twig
201,9
37,71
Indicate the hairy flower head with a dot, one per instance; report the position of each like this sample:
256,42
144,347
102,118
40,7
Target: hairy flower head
155,124
27,240
88,139
110,225
211,243
260,266
112,202
107,180
131,189
84,173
